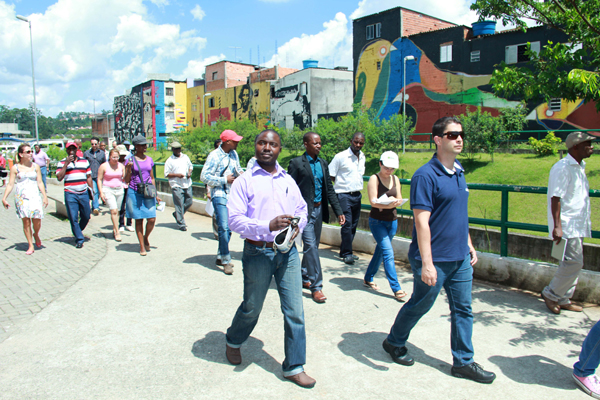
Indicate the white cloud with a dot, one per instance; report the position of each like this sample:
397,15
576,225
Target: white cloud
198,12
85,49
333,45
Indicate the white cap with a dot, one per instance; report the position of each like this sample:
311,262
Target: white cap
283,241
389,159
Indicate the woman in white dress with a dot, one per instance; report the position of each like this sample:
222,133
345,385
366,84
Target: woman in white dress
30,194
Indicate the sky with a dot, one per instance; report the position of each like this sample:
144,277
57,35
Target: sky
86,52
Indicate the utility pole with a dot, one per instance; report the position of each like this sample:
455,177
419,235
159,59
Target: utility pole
234,52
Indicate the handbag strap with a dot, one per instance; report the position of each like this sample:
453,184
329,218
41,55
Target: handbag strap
139,170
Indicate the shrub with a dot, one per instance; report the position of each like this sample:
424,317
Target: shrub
547,146
56,153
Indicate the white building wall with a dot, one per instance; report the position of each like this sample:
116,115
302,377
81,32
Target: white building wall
170,117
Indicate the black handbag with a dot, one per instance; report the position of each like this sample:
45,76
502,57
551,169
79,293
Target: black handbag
146,189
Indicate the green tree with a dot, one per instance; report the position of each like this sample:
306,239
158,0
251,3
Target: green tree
483,132
564,70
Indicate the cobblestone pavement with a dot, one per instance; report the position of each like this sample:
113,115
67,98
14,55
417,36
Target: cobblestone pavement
30,283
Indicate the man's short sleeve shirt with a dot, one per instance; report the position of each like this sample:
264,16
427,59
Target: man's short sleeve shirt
568,182
75,175
348,171
435,189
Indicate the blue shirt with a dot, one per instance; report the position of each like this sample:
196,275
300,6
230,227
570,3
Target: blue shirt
315,166
446,196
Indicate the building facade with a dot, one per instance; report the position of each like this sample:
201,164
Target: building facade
448,70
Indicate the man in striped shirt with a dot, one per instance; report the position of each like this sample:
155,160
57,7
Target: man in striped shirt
77,174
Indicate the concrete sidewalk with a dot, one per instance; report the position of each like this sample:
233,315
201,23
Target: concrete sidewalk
153,328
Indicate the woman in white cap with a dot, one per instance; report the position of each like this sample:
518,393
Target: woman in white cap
110,187
140,207
383,221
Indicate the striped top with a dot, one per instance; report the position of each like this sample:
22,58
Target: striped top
76,175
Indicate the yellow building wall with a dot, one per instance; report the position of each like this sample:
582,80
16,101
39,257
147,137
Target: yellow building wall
181,106
194,107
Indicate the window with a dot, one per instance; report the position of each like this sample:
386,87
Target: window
194,107
214,76
255,92
378,30
555,105
370,32
446,52
516,53
170,115
169,91
378,65
475,56
211,101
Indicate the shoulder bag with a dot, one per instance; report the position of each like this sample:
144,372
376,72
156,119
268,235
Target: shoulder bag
146,189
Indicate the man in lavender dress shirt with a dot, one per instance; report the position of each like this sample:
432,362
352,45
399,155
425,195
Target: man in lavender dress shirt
262,202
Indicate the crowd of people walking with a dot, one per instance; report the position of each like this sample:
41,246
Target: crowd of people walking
269,207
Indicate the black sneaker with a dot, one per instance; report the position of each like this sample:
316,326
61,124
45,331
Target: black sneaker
399,354
473,372
349,259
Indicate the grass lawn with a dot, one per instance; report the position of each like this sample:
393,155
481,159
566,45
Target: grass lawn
507,169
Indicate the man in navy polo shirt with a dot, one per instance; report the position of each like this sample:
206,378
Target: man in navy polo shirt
441,253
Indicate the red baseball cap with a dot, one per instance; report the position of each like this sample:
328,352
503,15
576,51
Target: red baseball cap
228,134
71,143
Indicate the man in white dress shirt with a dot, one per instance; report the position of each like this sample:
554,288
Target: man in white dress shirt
346,170
178,169
569,218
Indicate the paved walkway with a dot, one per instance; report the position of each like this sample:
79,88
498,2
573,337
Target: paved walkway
117,325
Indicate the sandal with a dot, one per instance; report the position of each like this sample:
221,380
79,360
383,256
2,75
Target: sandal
399,295
372,285
29,252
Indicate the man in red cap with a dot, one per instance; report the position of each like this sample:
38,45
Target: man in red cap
220,170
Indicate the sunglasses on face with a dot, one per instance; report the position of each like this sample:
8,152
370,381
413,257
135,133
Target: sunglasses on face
28,152
453,135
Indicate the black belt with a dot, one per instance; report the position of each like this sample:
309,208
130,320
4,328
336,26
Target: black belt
352,193
260,243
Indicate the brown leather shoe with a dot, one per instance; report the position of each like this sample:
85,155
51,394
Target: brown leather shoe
228,268
302,380
571,307
306,285
234,356
318,296
552,305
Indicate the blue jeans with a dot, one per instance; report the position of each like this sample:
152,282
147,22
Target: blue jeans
95,202
383,233
44,172
311,264
350,204
589,358
457,279
78,212
260,264
220,207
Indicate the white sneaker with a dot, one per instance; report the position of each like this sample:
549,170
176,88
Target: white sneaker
130,228
121,229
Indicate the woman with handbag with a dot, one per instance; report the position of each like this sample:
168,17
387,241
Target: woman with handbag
141,196
110,187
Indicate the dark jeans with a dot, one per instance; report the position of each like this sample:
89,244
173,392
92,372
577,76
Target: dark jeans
457,280
78,212
350,203
260,265
182,201
44,172
122,211
311,264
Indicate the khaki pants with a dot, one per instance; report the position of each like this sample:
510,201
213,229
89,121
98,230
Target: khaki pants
562,286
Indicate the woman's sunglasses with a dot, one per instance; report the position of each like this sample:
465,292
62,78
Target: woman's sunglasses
28,152
453,135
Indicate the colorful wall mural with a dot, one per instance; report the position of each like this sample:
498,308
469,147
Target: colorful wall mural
433,92
128,116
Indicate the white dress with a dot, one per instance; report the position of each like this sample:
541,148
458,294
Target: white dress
28,200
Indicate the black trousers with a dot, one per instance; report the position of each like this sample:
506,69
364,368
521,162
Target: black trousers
350,203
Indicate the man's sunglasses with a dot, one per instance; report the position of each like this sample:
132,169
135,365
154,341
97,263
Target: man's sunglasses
453,135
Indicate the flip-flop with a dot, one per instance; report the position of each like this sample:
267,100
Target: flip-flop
29,252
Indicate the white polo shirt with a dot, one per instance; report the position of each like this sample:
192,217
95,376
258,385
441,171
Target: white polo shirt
569,182
348,171
178,165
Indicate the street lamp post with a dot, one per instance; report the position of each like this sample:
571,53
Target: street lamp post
37,138
404,99
204,108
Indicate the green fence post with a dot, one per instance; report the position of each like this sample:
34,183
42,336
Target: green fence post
503,227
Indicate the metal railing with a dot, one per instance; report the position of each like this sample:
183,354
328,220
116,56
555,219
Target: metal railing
503,223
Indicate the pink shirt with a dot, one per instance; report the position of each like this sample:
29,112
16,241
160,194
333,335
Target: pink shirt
112,178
